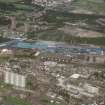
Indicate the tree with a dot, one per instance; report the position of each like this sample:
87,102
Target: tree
27,1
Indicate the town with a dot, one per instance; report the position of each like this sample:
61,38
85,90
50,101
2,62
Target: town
52,52
62,73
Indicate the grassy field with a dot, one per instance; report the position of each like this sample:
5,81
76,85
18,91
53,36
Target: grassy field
55,35
15,101
90,5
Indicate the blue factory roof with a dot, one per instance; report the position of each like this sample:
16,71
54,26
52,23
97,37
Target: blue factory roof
55,47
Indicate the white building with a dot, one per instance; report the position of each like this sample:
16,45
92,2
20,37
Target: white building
15,79
6,52
91,89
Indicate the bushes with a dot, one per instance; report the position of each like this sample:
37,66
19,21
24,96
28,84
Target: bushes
15,101
55,35
3,39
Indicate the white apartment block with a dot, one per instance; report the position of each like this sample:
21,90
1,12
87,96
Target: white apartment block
15,79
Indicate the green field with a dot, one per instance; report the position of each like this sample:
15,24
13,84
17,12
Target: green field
89,5
15,101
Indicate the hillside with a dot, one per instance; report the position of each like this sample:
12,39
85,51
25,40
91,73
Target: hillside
89,6
57,20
